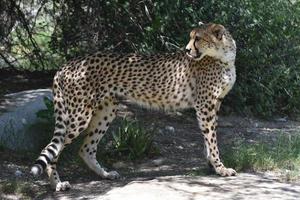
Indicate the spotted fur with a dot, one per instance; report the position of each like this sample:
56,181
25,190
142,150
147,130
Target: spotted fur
85,92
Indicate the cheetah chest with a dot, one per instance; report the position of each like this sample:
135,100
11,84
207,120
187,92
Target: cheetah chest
228,80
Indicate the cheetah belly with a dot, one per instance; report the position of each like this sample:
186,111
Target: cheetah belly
165,103
177,97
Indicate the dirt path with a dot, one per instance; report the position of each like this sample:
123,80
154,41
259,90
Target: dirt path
169,176
244,186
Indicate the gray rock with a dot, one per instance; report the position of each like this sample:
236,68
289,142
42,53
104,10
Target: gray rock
17,113
283,119
158,161
226,124
170,129
119,165
18,173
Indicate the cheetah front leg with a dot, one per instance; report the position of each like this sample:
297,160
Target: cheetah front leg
207,119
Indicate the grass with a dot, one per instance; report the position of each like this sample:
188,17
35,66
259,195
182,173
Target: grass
130,142
282,155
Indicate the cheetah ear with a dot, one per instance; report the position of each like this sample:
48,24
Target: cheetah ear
218,31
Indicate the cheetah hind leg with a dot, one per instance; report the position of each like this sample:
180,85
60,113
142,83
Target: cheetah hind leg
55,181
103,116
71,133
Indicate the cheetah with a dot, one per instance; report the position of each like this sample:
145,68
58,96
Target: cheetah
85,94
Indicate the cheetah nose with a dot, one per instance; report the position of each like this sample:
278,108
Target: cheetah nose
188,50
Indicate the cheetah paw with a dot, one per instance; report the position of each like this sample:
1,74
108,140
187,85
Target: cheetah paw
223,171
62,186
112,175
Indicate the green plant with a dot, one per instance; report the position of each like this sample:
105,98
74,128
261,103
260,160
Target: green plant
42,130
132,141
48,113
283,154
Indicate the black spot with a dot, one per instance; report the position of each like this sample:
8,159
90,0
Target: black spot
58,134
46,157
60,126
41,163
80,130
51,152
82,123
55,140
53,146
206,131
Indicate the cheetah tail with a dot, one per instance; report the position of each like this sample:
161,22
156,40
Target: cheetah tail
50,153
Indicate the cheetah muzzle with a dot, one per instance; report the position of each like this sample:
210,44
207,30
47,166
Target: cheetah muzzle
85,93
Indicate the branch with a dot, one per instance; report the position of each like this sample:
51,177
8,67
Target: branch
23,20
8,62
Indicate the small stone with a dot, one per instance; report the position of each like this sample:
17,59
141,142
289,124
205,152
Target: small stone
180,147
226,124
170,129
160,131
158,161
18,173
178,113
24,121
119,165
283,119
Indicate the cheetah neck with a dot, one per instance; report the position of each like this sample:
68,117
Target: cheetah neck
208,60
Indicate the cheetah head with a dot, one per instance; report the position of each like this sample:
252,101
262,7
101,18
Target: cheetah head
211,40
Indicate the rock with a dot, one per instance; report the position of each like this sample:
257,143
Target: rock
119,165
17,114
160,131
283,119
158,161
226,124
170,129
178,113
18,173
